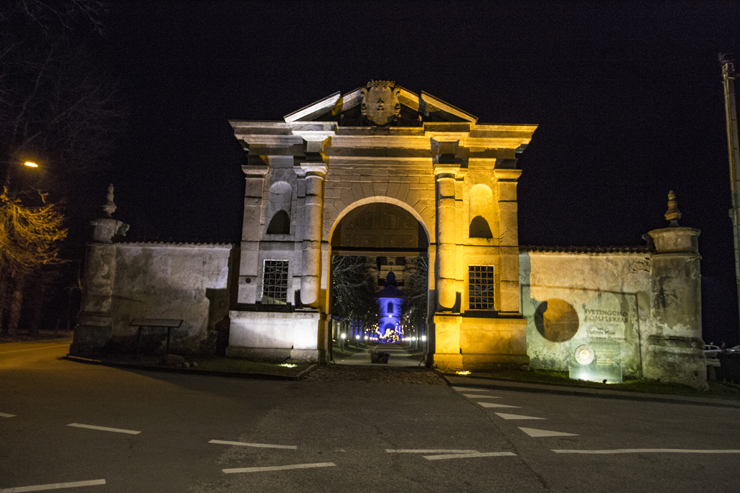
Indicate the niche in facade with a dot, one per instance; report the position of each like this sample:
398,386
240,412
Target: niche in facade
280,224
479,228
481,212
279,205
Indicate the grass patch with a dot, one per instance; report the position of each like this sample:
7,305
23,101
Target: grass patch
244,366
720,390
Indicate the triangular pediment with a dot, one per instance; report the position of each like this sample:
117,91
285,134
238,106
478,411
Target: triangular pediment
345,109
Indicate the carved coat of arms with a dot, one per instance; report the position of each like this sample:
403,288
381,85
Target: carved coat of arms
380,105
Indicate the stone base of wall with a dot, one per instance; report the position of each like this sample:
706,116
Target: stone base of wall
494,343
448,362
485,343
273,336
92,333
677,360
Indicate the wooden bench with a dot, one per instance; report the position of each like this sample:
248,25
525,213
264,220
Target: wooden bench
168,323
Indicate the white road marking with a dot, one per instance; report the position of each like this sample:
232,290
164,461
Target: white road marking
648,451
5,415
535,433
492,404
258,445
103,428
429,451
478,396
468,389
54,486
469,456
278,468
32,349
515,416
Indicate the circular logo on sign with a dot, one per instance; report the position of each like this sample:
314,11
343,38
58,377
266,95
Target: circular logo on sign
584,354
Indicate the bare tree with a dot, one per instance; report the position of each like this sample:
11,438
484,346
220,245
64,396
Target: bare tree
60,108
416,292
29,238
353,289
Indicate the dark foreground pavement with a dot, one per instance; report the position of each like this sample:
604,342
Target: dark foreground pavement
341,429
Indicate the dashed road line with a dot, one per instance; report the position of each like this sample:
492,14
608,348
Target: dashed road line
478,396
492,404
535,433
647,451
53,486
104,428
6,415
278,468
257,445
515,416
469,456
429,451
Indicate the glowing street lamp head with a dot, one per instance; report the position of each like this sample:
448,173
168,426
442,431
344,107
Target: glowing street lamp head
423,338
343,336
30,164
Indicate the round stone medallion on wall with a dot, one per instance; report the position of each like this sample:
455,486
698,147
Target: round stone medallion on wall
556,320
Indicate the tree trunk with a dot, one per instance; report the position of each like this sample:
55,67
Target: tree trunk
36,307
16,304
4,280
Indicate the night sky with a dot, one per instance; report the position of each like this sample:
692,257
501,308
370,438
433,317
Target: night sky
627,96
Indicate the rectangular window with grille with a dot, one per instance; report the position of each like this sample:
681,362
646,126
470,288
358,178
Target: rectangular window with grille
480,287
275,282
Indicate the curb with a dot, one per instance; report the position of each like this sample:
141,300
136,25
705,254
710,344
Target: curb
549,388
191,371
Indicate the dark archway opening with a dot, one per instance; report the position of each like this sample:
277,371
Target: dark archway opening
373,246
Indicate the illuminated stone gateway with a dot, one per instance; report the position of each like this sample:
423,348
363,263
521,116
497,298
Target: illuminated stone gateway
381,170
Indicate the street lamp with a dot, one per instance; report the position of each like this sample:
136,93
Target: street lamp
28,164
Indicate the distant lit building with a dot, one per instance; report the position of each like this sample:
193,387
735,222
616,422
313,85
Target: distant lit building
390,301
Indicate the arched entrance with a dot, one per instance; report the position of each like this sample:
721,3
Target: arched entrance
378,257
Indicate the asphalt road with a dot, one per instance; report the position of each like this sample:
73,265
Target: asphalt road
156,430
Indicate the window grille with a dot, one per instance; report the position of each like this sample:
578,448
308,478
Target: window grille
480,287
275,282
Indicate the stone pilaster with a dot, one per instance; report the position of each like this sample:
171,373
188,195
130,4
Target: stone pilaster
447,319
446,229
313,210
249,260
506,182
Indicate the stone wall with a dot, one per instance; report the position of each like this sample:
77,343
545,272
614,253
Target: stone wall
189,282
572,299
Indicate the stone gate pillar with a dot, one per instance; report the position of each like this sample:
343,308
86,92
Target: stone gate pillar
314,208
674,350
93,328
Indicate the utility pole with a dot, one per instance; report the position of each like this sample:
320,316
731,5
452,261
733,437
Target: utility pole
728,81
